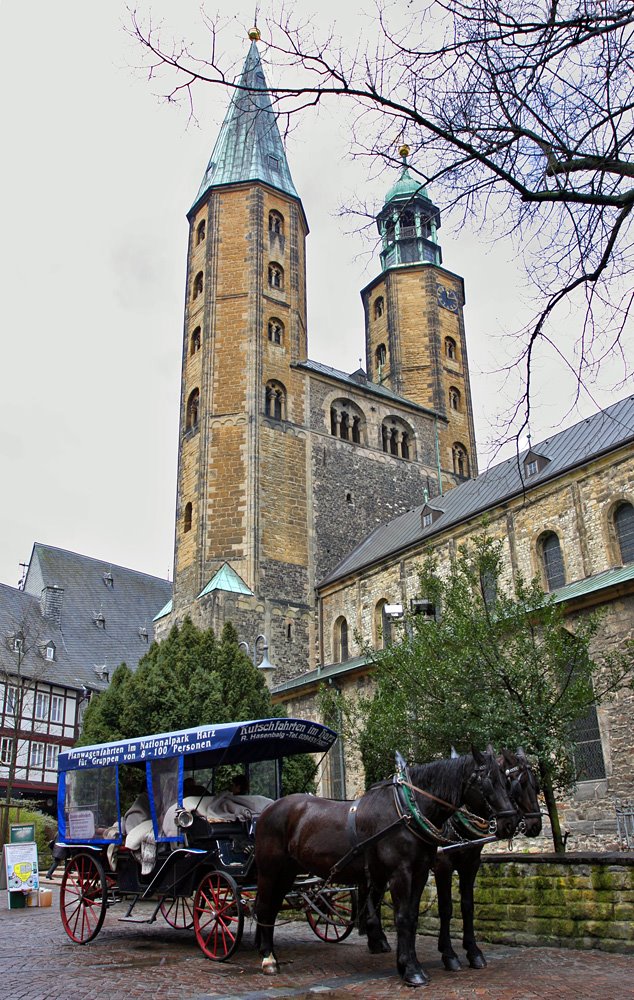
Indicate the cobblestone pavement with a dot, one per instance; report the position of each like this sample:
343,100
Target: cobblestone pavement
39,962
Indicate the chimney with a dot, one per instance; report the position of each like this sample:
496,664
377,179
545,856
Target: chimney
51,600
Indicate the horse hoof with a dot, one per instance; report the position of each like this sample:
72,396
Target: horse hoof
416,979
451,963
270,966
379,947
477,961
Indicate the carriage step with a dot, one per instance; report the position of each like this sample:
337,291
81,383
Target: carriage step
137,920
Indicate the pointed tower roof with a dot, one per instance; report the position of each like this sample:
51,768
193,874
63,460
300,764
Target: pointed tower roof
227,579
249,146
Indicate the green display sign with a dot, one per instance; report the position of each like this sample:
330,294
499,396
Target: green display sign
22,833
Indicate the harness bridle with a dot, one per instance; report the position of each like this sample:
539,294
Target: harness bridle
514,776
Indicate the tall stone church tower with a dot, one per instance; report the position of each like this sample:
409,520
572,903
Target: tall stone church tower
286,464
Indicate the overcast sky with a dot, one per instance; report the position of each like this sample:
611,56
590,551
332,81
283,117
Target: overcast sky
97,176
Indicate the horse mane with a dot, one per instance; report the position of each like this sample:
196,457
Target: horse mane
443,778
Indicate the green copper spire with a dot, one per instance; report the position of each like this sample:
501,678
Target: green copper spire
249,146
408,222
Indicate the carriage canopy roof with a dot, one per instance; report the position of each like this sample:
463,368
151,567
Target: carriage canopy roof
209,746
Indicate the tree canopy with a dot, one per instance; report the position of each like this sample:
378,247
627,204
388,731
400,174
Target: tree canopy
522,112
496,664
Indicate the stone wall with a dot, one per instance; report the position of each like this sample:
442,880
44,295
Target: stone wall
574,900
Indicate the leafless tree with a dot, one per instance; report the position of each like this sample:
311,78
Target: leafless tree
523,112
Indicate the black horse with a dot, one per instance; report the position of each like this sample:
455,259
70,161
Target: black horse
523,789
388,837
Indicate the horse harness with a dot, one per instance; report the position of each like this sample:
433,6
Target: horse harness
514,776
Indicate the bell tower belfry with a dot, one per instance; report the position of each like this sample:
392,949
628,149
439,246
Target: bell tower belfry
414,323
241,493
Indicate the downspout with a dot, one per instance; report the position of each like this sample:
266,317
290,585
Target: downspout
438,456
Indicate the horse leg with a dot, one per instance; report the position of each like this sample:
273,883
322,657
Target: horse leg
406,885
467,877
272,888
378,944
443,873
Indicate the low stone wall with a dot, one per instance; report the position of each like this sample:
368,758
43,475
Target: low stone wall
571,900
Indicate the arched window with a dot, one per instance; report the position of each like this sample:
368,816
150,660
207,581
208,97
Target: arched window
187,517
454,398
379,307
450,347
552,560
200,233
198,285
382,626
347,421
276,276
194,344
397,438
624,528
340,652
276,330
275,400
191,416
380,356
460,460
276,223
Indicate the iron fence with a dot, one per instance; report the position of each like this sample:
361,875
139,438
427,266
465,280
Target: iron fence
625,822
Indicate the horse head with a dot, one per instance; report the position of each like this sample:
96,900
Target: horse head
487,791
523,789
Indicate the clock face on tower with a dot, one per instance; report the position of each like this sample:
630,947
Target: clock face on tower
447,298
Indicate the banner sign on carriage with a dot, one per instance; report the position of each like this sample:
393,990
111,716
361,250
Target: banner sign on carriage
276,737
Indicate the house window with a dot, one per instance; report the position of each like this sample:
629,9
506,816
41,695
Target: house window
10,700
624,527
49,651
194,344
6,746
52,753
340,645
531,468
198,285
42,705
276,330
275,400
57,708
428,519
380,356
552,560
191,416
36,754
450,348
18,644
460,460
187,518
276,223
276,276
200,233
379,307
454,398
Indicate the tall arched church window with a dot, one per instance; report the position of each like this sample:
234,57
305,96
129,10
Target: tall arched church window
276,330
187,517
340,651
198,285
191,414
276,276
200,232
275,400
624,528
460,460
454,398
379,307
450,348
194,344
276,223
552,560
380,356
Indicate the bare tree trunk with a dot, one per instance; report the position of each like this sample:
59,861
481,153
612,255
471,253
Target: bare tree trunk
551,805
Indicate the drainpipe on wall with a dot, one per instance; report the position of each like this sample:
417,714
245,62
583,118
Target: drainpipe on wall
438,456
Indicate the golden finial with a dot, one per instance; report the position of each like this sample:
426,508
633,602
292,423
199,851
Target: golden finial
254,34
403,151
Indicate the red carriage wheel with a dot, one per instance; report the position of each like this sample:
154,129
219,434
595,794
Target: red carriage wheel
331,914
218,916
178,912
83,898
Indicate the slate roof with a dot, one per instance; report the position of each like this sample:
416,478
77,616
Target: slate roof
249,146
590,438
359,380
128,606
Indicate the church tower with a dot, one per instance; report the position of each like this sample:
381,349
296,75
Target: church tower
414,323
245,327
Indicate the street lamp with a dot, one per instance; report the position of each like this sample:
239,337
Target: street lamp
264,664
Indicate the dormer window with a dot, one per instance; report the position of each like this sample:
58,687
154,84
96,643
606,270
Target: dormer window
143,634
100,620
49,651
534,463
429,515
108,579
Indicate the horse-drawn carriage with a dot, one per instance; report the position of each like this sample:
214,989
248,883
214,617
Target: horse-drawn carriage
184,845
